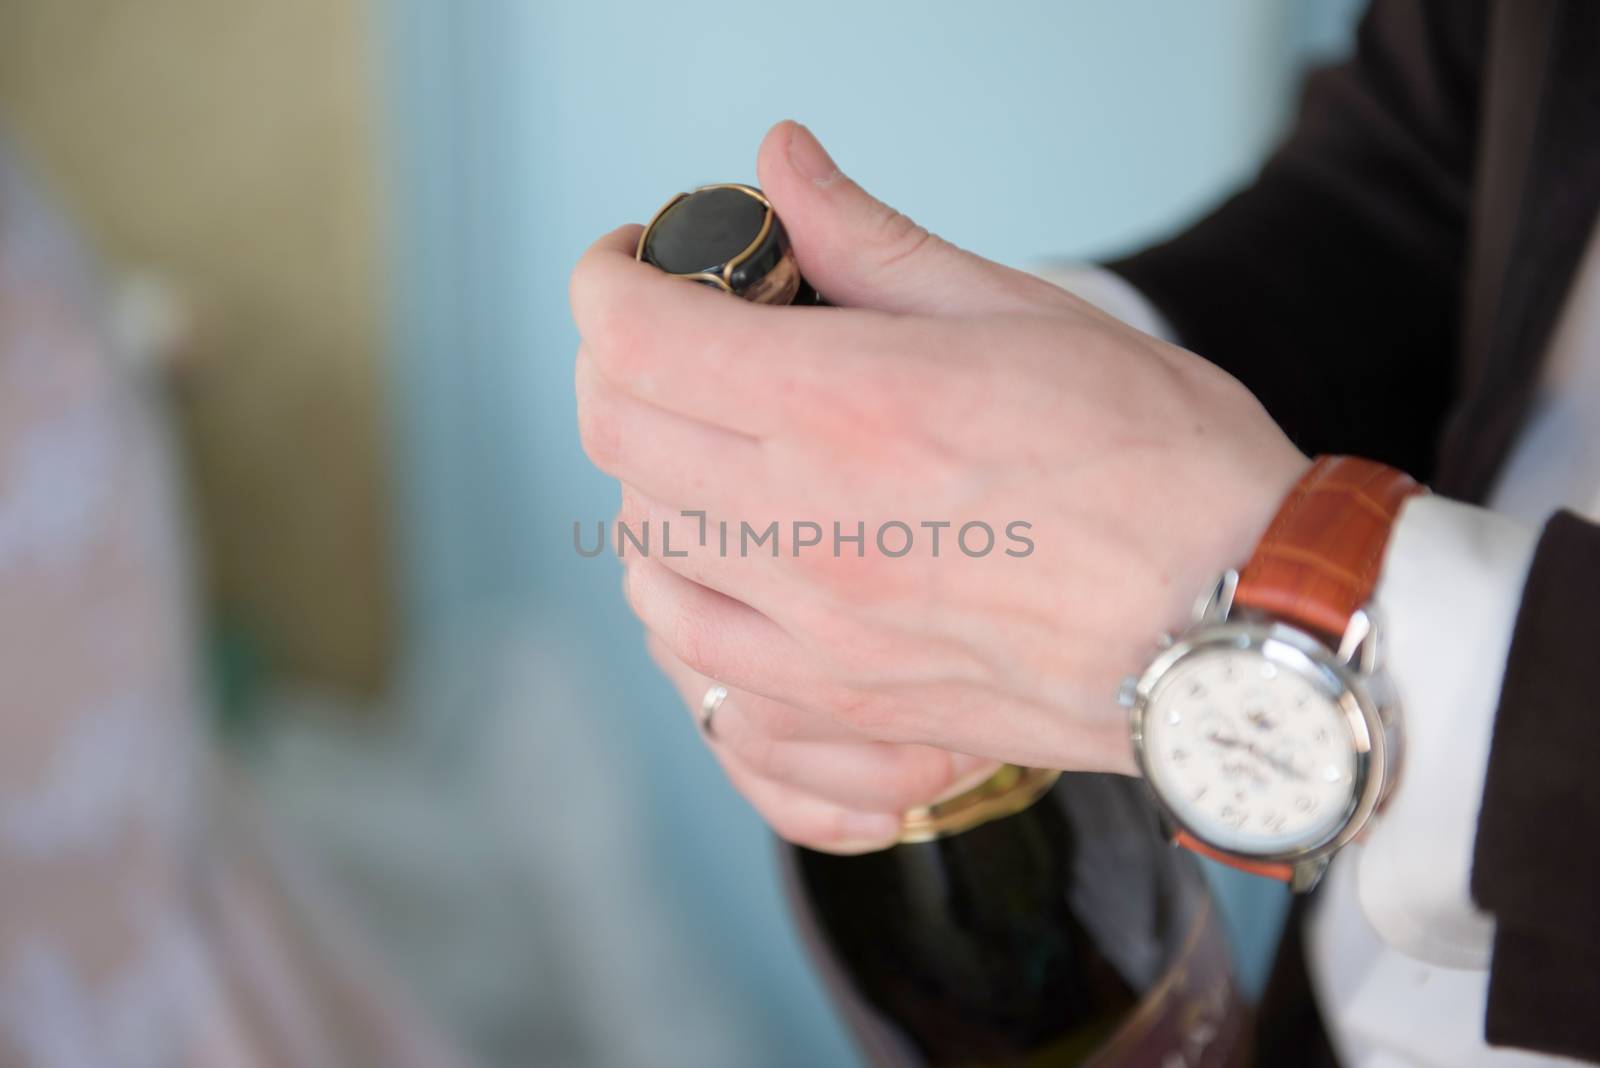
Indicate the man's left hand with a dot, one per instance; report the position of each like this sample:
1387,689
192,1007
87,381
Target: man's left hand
946,392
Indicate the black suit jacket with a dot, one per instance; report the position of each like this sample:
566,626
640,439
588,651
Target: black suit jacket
1387,287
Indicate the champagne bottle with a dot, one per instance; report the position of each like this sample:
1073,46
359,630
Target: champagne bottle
1035,920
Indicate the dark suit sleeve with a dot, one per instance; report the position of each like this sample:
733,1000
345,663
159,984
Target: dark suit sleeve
1332,286
1535,864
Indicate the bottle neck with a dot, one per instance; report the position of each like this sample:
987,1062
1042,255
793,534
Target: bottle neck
1010,790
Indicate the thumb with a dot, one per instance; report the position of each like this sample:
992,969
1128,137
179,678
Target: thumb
857,251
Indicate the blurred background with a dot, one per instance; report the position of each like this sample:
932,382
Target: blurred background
336,235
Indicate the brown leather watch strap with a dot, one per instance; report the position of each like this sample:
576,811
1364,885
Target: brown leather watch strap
1319,560
1264,868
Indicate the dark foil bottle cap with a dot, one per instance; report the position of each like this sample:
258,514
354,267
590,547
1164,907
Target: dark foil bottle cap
728,237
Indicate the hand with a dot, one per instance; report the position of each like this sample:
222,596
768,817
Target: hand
947,389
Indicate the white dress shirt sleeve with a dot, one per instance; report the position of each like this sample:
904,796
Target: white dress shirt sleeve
1112,294
1447,601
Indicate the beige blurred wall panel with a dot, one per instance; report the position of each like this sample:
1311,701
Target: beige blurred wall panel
229,145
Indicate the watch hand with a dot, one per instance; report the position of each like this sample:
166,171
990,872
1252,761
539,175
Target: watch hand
1218,739
1250,747
1260,720
1282,765
1243,769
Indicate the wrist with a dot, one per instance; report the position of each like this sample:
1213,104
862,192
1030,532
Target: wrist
1230,512
1268,728
1222,511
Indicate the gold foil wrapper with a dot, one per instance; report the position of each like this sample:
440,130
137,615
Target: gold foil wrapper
1008,791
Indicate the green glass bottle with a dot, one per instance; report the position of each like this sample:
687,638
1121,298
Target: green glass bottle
1036,920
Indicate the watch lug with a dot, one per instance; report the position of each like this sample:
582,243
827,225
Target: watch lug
1217,604
1128,691
1358,646
1169,829
1307,874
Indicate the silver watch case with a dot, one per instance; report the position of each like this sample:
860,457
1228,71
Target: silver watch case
1351,676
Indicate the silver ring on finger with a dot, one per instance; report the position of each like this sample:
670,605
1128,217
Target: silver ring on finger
715,695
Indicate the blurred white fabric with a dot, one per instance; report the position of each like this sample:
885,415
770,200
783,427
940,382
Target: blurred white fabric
146,917
497,859
155,912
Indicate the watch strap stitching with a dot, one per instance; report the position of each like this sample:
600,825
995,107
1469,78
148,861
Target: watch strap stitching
1298,571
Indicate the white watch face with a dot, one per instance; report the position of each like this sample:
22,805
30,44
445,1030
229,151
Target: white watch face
1250,753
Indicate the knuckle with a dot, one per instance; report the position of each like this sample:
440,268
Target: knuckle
815,827
695,643
882,408
578,289
795,830
789,820
633,511
762,755
634,596
954,394
871,714
599,429
829,576
900,238
849,585
851,651
613,335
587,297
771,720
595,286
919,776
833,826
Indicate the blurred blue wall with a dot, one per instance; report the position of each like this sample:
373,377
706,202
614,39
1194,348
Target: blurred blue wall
521,130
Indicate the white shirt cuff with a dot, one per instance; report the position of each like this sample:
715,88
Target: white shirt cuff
1452,581
1111,293
1447,600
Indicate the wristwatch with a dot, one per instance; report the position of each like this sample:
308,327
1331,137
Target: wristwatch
1268,730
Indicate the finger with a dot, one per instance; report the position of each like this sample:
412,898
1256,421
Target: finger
743,712
866,776
780,742
669,456
717,636
731,642
858,251
716,547
728,641
810,821
684,347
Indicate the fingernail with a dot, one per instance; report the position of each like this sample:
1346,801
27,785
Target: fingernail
964,764
966,772
807,156
869,828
